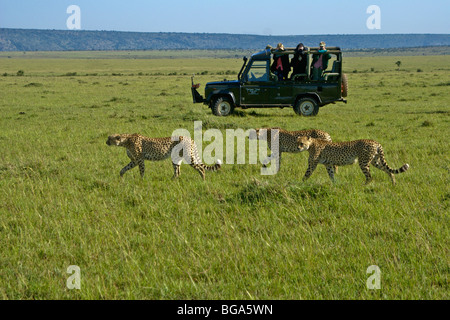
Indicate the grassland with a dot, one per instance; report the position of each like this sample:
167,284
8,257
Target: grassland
238,235
210,54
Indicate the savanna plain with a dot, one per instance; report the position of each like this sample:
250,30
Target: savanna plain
239,234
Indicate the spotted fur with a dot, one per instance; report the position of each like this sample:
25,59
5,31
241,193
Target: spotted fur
332,154
287,140
140,148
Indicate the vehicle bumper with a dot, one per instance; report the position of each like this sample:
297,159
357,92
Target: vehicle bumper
197,97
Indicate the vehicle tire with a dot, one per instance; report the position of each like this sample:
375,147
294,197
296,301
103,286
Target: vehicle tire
306,107
344,85
222,106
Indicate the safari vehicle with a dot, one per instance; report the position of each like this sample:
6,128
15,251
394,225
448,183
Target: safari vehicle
257,87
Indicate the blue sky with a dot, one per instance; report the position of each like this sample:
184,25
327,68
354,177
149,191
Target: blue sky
262,17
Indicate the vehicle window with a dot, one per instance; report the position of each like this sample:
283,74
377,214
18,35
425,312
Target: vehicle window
258,71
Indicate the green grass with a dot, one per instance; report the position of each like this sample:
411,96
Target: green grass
238,235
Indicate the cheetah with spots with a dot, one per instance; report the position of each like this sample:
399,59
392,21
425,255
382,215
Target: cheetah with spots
287,140
140,148
331,154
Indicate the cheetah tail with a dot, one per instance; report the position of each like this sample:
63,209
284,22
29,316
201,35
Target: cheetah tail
215,167
384,164
401,169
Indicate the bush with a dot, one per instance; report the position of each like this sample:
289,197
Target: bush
20,73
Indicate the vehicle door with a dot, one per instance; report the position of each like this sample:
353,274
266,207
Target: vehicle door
256,84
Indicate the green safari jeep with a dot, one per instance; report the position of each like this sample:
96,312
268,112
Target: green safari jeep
257,87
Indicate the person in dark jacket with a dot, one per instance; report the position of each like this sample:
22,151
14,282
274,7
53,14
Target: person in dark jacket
298,62
320,62
280,66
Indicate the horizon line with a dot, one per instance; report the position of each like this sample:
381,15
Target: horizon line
224,33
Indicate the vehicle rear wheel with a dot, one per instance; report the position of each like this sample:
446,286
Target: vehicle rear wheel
344,85
222,106
306,107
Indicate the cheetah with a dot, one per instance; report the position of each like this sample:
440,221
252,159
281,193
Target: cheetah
140,148
287,140
331,154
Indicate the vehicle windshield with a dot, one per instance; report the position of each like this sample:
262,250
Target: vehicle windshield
258,71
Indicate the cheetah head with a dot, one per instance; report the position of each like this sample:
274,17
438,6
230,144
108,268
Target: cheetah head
116,140
264,132
303,143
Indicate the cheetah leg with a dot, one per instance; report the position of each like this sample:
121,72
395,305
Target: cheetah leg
266,161
196,163
312,165
366,170
330,170
176,170
129,166
199,169
377,164
141,167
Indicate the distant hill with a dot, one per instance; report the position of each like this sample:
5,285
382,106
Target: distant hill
67,40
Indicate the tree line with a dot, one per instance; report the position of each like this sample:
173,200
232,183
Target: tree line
68,40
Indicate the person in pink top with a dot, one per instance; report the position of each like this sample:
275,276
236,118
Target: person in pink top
320,62
280,66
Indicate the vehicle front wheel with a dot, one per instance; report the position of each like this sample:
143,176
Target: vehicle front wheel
306,107
222,106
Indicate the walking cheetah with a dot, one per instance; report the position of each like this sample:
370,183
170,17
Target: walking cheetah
287,140
140,148
331,154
